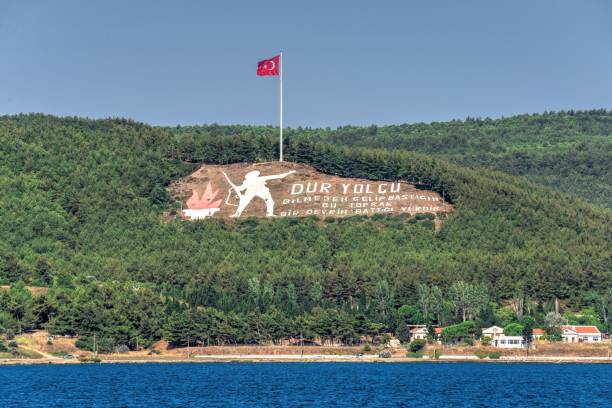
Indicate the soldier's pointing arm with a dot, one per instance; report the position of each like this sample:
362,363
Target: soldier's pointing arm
278,176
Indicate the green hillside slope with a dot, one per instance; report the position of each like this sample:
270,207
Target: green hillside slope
81,211
567,151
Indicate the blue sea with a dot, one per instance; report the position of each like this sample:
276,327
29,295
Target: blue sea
307,384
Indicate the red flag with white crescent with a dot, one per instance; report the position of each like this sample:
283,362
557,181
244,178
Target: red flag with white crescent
269,66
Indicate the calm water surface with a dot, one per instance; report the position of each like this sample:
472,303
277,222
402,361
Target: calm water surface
307,384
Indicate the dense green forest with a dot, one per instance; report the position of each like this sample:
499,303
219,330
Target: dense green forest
568,151
82,203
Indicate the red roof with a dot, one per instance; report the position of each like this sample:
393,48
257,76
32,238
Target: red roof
582,329
538,332
438,330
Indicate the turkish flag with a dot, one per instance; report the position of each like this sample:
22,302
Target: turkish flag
269,66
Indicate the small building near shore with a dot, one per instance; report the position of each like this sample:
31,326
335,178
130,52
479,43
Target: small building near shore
492,332
580,334
538,334
421,332
418,333
503,341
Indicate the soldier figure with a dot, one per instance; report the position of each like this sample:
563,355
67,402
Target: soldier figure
253,186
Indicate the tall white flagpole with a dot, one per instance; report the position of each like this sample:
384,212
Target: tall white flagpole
281,105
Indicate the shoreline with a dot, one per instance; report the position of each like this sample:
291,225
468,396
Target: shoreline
258,358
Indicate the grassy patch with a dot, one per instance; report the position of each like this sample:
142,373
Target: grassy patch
28,353
494,355
23,341
90,360
60,353
20,353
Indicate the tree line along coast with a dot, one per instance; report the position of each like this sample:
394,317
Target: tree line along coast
87,199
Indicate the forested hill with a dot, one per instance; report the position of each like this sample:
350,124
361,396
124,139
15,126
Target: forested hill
567,151
82,203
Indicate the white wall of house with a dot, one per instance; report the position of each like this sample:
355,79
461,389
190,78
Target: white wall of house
582,338
492,332
504,341
418,334
592,338
570,337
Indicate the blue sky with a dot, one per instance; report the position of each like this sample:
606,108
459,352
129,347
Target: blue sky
346,62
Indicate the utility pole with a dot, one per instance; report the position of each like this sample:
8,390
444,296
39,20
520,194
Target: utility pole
302,344
95,347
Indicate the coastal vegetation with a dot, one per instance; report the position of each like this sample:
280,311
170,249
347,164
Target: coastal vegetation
83,204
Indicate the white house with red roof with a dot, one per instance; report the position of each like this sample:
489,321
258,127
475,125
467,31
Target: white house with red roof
538,334
575,334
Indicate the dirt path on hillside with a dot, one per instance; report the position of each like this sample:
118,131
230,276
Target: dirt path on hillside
47,355
42,353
